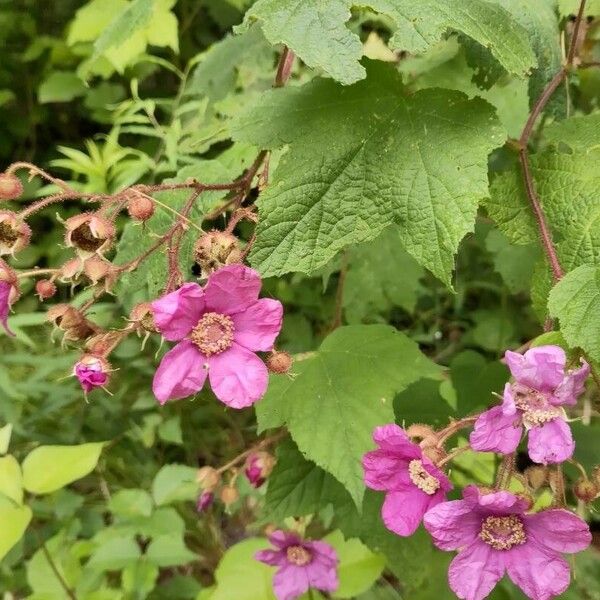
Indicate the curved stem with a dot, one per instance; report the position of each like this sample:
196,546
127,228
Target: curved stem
262,444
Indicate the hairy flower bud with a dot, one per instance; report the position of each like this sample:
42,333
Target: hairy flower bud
585,490
216,249
9,293
71,321
102,344
141,315
205,501
208,478
229,495
92,372
259,466
45,289
71,270
10,186
99,269
14,233
279,362
536,476
89,233
139,206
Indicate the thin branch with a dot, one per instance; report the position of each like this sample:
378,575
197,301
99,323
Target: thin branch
284,68
262,444
70,593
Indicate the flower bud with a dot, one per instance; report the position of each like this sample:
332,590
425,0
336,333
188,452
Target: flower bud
99,269
216,249
141,314
10,186
279,362
102,344
585,490
421,432
536,476
208,478
45,289
259,466
205,501
9,293
71,321
14,233
229,495
89,233
139,206
71,270
92,372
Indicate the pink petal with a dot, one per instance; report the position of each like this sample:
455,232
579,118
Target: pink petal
290,582
402,511
238,377
177,313
390,436
572,386
475,571
495,431
257,327
181,373
5,291
558,530
385,471
508,401
495,503
452,524
540,574
232,289
275,558
282,539
551,443
541,368
322,577
326,554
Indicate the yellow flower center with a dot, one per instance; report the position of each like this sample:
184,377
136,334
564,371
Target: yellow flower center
213,334
502,533
298,555
421,478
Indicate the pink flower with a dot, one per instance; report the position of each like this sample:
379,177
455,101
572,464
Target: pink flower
494,535
258,467
9,293
412,482
92,372
535,401
205,500
219,328
301,565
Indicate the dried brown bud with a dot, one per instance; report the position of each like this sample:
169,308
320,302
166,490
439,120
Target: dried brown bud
102,344
99,269
71,321
71,270
10,186
536,476
139,206
585,490
279,362
216,249
45,289
208,478
141,315
14,233
89,233
229,495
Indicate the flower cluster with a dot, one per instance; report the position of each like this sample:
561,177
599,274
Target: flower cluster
494,531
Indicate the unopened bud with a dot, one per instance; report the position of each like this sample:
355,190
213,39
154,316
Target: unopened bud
89,233
204,501
99,269
279,362
422,432
139,206
585,490
259,466
71,321
229,495
10,186
45,289
536,476
208,478
92,372
14,233
216,249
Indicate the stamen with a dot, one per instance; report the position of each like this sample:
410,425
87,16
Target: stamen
502,533
213,334
421,478
535,406
298,555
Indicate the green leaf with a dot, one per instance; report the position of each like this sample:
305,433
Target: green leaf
11,479
580,133
139,579
389,273
317,31
49,468
93,18
240,576
364,156
359,567
174,483
422,402
169,551
5,435
170,430
14,521
348,385
571,7
116,553
60,86
131,503
575,301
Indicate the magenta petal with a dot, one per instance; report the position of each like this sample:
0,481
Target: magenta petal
275,558
572,386
232,289
5,291
496,503
452,524
541,575
257,327
326,553
551,443
385,471
177,313
541,368
282,539
558,530
181,373
238,377
495,431
290,582
475,571
403,510
389,436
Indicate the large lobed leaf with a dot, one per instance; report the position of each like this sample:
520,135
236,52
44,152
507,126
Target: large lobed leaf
341,393
317,31
361,157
